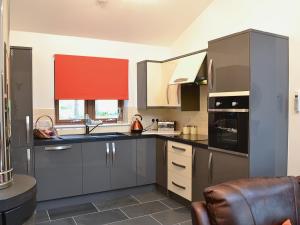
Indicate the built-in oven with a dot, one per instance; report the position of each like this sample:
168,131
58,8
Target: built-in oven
228,127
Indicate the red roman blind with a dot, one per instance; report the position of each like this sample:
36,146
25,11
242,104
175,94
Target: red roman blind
90,78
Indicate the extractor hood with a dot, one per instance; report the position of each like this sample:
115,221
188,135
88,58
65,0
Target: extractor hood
189,68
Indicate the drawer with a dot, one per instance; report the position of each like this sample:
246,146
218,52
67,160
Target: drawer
179,148
180,185
180,165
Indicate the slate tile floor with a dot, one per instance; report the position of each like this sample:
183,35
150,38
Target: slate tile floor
149,208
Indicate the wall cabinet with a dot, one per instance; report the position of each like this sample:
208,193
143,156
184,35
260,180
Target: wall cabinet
154,90
58,171
212,167
161,163
21,109
146,161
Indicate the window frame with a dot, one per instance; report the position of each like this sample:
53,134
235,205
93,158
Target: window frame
90,109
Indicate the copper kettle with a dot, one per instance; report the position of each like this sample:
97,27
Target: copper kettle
136,125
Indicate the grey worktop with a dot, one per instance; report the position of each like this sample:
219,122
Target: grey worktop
195,140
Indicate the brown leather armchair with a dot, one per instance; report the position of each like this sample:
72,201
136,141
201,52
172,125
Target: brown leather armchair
255,201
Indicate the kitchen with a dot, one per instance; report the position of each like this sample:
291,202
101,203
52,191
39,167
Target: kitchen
112,162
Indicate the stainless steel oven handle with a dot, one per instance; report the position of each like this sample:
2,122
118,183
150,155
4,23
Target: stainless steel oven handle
229,110
28,153
27,119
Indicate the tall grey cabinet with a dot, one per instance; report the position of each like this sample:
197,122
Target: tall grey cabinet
256,63
21,109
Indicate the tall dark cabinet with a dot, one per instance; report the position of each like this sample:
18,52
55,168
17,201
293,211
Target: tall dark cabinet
21,109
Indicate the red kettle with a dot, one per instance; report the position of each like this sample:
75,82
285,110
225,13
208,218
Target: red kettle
136,124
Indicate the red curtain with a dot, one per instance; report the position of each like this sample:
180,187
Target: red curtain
90,78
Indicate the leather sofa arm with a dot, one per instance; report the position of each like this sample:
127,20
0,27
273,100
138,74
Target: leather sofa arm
199,214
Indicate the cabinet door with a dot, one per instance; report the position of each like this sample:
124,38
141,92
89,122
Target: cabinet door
201,172
146,161
58,171
123,164
96,167
228,61
21,97
226,167
22,160
161,163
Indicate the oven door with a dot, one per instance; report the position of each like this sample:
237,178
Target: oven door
229,131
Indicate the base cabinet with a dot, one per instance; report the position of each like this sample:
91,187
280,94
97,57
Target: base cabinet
58,171
96,167
146,161
212,167
123,164
161,163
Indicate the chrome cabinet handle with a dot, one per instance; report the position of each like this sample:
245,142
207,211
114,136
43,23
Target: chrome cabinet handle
179,165
107,154
193,161
178,94
210,167
168,101
210,74
179,186
113,153
27,119
178,148
28,153
58,148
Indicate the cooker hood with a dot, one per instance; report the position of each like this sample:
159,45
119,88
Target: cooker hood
189,69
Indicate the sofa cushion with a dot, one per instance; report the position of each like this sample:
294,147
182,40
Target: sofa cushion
254,201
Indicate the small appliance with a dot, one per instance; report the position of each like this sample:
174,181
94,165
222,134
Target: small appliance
136,124
166,125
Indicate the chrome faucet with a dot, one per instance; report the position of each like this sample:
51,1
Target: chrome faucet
88,121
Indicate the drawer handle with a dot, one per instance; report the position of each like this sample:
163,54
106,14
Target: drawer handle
178,148
58,148
178,165
179,186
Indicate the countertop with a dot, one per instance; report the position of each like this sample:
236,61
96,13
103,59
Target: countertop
195,140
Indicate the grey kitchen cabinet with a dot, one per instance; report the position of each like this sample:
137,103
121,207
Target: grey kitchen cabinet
21,108
22,160
213,167
146,161
226,167
123,164
96,167
228,60
58,171
161,163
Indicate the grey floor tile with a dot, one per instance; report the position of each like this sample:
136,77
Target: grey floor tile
144,209
171,203
116,203
101,217
69,211
171,217
68,221
187,223
145,220
150,196
41,216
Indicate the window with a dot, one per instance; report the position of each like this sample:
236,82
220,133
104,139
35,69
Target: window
73,111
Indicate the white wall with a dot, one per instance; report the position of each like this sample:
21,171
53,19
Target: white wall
45,46
223,17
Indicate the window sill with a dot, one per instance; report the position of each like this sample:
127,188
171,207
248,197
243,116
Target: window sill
66,126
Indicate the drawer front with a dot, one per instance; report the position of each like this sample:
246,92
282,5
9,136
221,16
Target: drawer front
180,165
180,185
180,149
